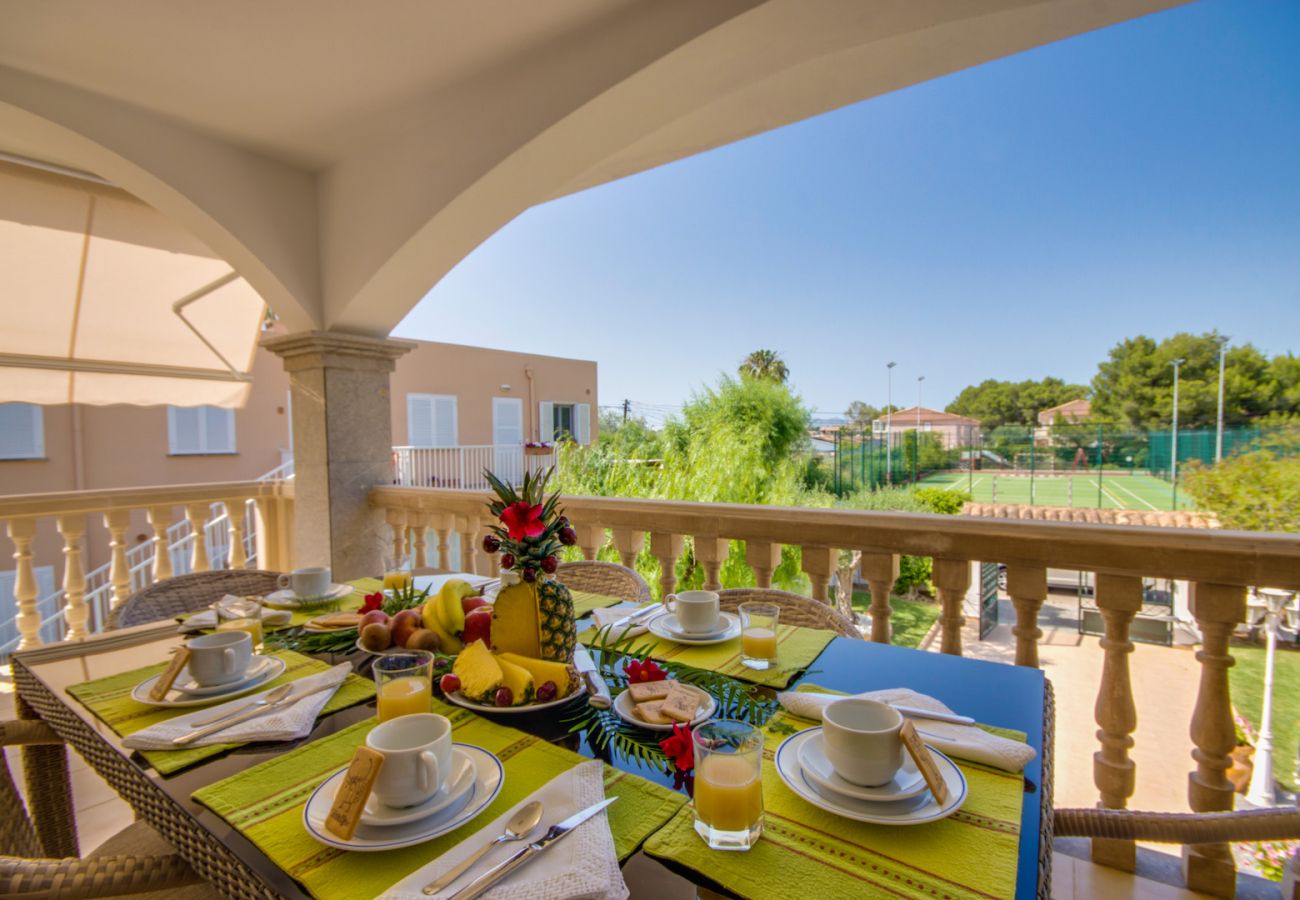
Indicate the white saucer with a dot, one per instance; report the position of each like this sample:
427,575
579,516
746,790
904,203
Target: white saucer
913,811
461,700
454,792
488,778
908,782
180,700
660,627
287,599
257,669
623,704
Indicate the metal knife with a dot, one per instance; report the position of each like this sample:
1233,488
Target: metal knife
597,691
222,725
501,870
636,616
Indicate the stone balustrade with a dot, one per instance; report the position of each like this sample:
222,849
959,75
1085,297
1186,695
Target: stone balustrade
1219,565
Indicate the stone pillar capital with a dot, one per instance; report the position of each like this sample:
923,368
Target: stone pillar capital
336,350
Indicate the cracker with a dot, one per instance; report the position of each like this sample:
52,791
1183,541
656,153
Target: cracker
643,691
681,704
650,712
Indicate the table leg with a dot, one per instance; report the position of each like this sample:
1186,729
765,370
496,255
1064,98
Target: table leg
49,792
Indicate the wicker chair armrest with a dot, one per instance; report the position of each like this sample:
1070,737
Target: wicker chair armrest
98,877
1179,828
15,732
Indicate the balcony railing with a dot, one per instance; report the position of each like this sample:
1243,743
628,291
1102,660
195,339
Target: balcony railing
462,467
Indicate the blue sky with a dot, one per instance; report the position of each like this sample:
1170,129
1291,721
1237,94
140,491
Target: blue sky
1010,221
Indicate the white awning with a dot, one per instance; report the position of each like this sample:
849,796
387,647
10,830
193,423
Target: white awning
103,300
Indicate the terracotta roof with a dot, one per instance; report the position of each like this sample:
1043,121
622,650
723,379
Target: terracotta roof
1071,409
904,416
1152,518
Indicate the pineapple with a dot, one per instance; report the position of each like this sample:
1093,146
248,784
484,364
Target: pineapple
479,673
534,620
519,680
556,630
563,674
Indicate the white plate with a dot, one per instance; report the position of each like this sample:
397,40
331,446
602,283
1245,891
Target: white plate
460,700
623,704
659,628
273,669
462,781
287,599
914,811
489,775
673,625
908,782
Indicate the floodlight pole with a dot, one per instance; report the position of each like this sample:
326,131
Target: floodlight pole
1218,432
889,421
1173,454
916,444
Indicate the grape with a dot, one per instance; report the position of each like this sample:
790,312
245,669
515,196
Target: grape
546,692
449,683
505,696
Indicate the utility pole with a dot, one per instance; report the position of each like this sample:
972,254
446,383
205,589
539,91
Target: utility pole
627,404
1218,432
1173,454
916,445
889,422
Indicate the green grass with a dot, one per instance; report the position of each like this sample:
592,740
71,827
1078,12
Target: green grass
911,619
1141,492
1247,683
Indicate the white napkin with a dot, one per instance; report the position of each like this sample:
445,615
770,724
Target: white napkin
288,723
582,865
232,607
606,617
965,741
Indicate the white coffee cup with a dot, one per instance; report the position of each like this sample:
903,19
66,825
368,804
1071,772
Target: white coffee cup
860,738
220,658
697,612
313,581
417,758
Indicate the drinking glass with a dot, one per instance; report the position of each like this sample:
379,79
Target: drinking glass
397,573
252,626
728,784
758,634
404,683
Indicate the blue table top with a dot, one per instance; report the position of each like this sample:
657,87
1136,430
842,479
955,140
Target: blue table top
992,693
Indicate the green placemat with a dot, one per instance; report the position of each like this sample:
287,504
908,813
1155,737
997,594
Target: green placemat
110,700
265,805
806,851
584,603
797,647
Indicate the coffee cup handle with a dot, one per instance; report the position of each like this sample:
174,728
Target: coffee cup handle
669,603
282,581
228,660
426,774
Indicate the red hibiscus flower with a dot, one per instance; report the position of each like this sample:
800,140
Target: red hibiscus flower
522,521
680,748
643,670
373,601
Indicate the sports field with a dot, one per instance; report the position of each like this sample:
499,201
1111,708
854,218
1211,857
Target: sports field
1107,491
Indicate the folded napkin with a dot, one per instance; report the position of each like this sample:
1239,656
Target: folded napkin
582,865
966,741
288,723
232,607
606,617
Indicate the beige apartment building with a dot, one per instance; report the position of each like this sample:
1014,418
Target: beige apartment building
953,430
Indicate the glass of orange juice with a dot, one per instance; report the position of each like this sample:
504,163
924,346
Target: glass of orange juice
252,626
404,683
728,784
758,634
397,575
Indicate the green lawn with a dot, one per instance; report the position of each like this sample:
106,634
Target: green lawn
912,619
1247,682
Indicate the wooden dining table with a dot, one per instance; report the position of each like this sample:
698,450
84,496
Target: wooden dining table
995,694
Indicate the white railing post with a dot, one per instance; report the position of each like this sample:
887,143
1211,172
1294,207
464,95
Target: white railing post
21,532
118,521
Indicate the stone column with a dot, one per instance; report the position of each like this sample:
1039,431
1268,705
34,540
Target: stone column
880,570
343,446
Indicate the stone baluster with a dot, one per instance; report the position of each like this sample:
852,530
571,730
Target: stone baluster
667,549
1119,598
952,580
712,553
160,518
1027,586
417,530
819,564
197,513
466,527
1217,608
117,521
590,539
880,571
763,557
235,528
21,532
73,529
442,525
396,519
628,543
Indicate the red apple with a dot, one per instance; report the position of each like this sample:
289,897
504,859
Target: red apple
469,604
375,615
405,622
478,627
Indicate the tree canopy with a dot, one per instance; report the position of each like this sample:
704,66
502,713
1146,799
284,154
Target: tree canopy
765,365
1255,491
997,403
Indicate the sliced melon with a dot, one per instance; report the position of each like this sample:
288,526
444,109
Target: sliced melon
518,679
544,670
479,673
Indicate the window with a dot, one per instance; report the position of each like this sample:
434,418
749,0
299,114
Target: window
22,431
199,430
565,420
431,420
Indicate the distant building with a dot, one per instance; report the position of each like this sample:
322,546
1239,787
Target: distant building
1073,411
954,430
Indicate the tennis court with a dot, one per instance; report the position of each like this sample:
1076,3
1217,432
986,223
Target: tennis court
1105,491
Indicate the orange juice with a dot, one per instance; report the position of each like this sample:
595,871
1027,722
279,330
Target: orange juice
397,579
252,626
403,696
759,643
728,792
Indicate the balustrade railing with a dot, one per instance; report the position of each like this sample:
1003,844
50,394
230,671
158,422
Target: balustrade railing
1219,565
462,467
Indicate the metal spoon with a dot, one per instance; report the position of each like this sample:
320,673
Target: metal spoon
521,825
265,700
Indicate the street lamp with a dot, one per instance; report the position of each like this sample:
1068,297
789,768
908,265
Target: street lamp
916,444
1173,455
889,422
1218,433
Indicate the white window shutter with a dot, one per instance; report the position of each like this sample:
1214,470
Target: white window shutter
218,429
184,430
445,427
582,422
22,431
546,421
419,420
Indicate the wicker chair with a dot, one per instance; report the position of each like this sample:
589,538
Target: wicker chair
795,609
189,593
605,578
1279,824
134,861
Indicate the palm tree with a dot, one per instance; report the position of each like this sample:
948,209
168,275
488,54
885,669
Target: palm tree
765,364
